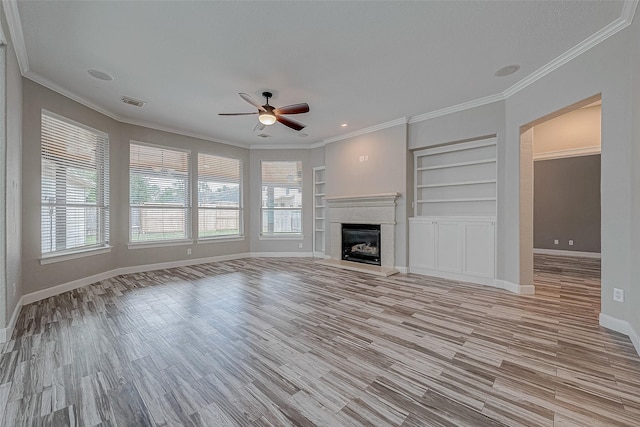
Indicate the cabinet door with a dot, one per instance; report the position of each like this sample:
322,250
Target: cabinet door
448,246
422,244
479,249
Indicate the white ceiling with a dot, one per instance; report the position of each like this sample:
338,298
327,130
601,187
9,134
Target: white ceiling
363,63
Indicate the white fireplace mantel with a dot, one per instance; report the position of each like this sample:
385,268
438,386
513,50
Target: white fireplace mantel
366,209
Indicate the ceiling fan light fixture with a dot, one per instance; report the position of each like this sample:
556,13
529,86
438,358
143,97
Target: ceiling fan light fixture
266,118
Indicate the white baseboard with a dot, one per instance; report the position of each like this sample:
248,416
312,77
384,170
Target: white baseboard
281,255
621,326
5,333
488,281
560,252
402,270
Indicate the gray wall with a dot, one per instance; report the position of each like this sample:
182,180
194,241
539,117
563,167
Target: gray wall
36,276
385,171
566,202
13,180
634,296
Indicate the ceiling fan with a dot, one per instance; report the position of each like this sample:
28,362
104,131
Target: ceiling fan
268,115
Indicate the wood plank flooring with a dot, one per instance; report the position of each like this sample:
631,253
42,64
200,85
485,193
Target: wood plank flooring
280,342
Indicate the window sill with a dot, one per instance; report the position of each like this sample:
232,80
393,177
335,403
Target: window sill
80,253
281,237
206,240
160,244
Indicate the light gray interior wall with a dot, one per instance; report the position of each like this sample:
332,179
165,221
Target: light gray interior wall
317,157
604,69
526,207
567,203
275,244
14,180
36,276
473,123
130,257
385,171
634,294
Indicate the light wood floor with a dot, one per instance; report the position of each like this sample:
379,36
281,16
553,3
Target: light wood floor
270,342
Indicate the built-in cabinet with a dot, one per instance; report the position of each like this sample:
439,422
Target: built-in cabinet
453,231
319,212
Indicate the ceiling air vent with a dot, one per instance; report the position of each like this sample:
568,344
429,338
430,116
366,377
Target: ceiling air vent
134,102
264,135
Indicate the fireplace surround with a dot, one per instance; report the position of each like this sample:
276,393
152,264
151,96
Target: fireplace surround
376,209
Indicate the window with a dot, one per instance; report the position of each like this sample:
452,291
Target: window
219,196
159,200
281,210
74,186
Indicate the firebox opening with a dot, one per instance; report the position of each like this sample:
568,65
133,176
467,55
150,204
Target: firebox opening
361,243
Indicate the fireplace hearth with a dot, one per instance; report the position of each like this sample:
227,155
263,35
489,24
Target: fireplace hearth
361,243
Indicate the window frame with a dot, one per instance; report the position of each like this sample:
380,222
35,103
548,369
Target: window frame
103,197
282,235
188,227
239,209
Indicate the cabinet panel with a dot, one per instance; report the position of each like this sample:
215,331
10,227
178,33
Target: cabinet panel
448,246
422,244
479,249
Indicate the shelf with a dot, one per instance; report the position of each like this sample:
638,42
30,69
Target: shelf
320,218
321,230
319,194
455,165
453,184
479,199
319,206
319,182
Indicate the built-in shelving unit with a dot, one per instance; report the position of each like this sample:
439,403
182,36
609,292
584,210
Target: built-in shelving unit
319,212
452,233
456,180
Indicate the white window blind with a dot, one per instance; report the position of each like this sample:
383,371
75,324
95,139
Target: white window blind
74,186
219,196
281,210
159,200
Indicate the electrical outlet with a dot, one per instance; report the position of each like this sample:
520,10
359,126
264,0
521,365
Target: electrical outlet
299,245
618,295
188,251
555,242
570,242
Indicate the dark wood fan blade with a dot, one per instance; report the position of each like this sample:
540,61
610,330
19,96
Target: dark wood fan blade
291,123
259,127
252,101
236,114
293,109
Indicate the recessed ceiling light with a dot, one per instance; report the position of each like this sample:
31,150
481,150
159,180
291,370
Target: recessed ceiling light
344,125
509,69
100,75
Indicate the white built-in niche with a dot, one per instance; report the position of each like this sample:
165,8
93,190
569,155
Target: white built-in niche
319,212
452,233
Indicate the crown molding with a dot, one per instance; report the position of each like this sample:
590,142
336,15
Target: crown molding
570,152
392,123
625,19
459,107
15,30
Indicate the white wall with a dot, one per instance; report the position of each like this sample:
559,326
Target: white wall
384,171
578,129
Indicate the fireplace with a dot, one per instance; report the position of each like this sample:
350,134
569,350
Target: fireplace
361,243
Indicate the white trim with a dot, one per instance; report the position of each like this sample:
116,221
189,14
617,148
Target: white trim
487,281
59,257
160,244
402,270
621,326
370,129
3,37
230,238
559,252
571,152
6,333
458,107
281,255
625,19
17,36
